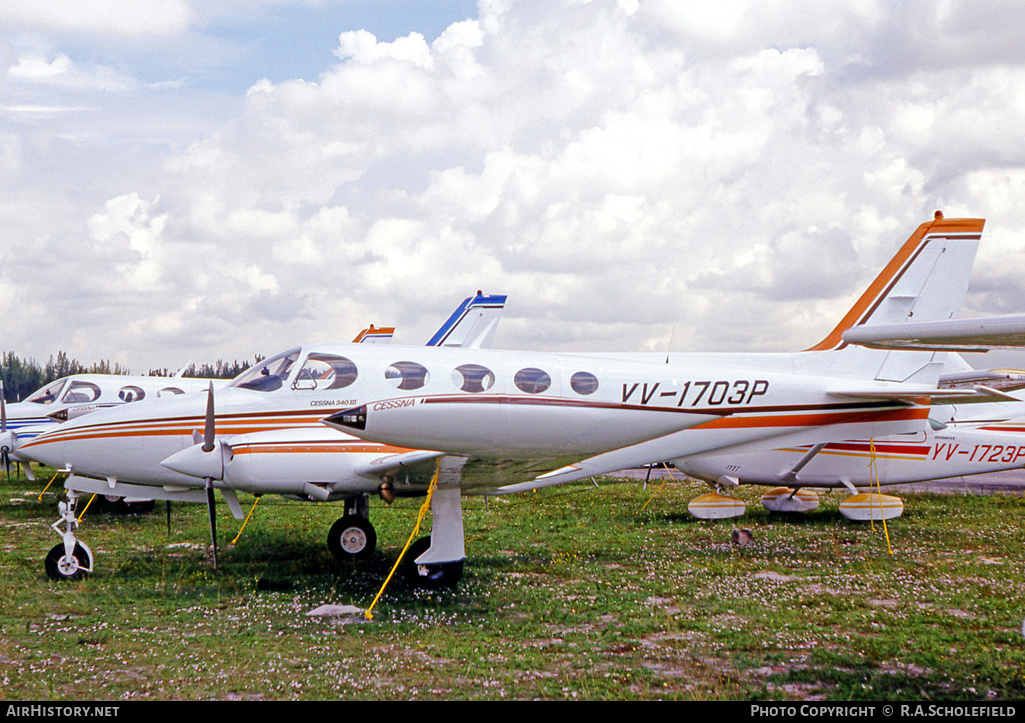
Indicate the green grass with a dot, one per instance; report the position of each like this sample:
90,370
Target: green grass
574,592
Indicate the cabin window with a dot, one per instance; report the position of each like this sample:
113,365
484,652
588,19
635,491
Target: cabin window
532,381
131,394
80,392
267,375
168,391
584,383
326,371
48,394
407,375
473,378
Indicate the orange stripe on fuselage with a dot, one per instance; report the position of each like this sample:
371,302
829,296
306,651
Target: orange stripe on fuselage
816,419
315,448
244,424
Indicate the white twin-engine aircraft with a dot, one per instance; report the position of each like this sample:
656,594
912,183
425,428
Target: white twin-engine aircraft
494,422
271,415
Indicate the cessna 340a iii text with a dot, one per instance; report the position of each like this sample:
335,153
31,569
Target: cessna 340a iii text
270,416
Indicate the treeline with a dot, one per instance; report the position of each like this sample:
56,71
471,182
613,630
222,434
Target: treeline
21,377
220,370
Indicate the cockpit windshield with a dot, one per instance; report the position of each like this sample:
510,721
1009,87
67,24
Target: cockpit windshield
269,374
47,394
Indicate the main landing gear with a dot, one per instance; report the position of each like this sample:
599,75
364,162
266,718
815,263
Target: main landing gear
71,559
352,537
432,561
438,574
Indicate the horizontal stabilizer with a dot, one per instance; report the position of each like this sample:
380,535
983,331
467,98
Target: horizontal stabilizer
1004,380
965,335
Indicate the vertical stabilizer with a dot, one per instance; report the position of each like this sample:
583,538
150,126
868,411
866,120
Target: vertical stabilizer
473,323
925,281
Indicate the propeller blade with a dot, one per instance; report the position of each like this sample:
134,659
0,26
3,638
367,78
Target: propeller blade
211,512
208,429
5,451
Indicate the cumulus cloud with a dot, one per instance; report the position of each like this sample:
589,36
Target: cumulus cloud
630,173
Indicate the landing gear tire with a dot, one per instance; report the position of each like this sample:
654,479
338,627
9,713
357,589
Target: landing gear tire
61,567
435,574
352,538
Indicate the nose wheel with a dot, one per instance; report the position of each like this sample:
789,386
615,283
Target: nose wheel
71,559
62,566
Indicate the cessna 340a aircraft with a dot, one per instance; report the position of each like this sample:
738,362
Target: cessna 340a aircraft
267,435
494,422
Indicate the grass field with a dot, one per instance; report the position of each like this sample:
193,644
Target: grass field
578,592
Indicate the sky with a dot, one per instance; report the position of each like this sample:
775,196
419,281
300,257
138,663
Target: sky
191,181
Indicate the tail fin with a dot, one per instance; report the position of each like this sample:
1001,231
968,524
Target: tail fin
375,335
472,325
925,281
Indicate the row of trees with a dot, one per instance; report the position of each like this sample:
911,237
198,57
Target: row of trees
21,377
220,370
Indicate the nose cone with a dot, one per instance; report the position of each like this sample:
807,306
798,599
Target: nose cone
44,449
195,462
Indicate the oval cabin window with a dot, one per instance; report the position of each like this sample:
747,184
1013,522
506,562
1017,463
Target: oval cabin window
532,380
584,383
473,378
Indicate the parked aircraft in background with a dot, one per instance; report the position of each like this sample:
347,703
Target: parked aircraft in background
954,449
78,394
267,420
960,441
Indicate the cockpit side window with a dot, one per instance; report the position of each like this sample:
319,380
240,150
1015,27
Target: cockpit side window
80,392
48,394
268,375
473,378
407,375
326,371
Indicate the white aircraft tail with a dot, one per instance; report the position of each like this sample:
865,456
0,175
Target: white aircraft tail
375,335
473,323
926,280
